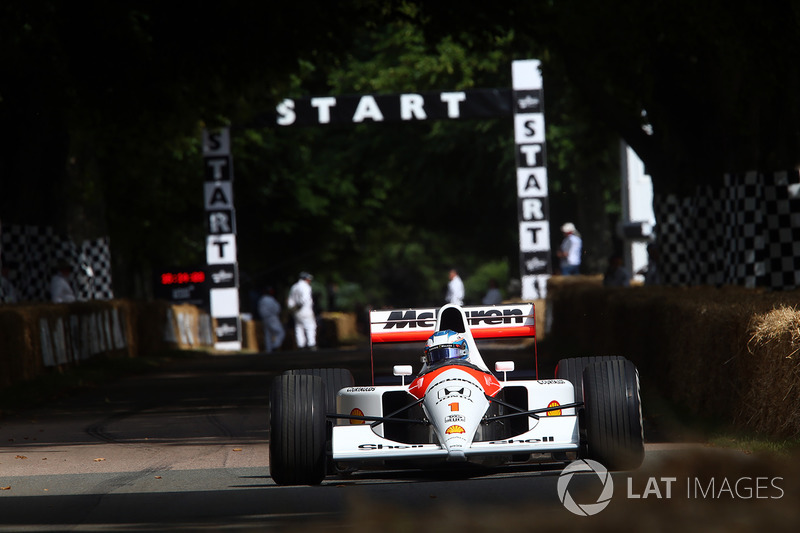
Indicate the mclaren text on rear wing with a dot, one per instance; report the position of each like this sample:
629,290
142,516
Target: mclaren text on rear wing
485,322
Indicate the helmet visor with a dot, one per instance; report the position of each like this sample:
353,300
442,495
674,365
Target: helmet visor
440,353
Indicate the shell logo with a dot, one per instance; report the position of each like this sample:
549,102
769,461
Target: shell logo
356,412
454,429
555,412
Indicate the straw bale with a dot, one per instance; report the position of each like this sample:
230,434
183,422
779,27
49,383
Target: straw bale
771,399
702,348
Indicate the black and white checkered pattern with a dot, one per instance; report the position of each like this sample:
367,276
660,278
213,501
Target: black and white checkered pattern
95,254
703,242
782,219
671,215
32,253
747,233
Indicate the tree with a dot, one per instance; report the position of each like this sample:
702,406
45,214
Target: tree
698,89
394,206
104,103
107,100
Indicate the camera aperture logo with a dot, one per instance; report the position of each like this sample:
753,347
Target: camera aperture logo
586,509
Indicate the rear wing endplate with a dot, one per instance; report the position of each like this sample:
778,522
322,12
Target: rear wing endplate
484,322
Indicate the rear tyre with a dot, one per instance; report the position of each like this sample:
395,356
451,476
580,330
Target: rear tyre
613,414
297,445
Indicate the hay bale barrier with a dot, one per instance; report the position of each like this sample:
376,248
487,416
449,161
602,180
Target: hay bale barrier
726,354
771,400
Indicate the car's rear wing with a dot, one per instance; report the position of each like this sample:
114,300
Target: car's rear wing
485,322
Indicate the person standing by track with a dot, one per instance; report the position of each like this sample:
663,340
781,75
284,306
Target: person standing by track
301,304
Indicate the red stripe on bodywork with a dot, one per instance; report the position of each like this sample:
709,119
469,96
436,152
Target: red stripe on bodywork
486,380
477,333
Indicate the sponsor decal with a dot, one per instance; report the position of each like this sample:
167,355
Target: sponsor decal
449,419
226,329
388,446
554,412
535,262
417,388
454,429
221,276
461,392
475,317
551,381
527,102
360,389
516,441
356,412
410,325
399,320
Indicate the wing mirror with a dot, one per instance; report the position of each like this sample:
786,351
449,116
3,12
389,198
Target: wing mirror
402,371
504,367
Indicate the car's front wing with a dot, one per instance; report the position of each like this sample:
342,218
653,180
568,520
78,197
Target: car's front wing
361,443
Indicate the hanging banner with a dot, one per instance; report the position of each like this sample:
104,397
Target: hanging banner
525,102
532,196
409,107
223,278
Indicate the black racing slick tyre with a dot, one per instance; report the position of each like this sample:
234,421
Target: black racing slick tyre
297,443
572,370
613,414
335,379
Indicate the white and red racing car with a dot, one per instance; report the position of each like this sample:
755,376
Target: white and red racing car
455,409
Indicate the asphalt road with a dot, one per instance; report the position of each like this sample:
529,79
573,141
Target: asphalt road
186,449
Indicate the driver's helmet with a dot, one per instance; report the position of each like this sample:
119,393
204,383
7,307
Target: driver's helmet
446,344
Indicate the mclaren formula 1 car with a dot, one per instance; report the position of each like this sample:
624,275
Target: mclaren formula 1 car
455,410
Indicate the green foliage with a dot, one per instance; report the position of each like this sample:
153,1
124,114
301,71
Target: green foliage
104,104
476,285
391,207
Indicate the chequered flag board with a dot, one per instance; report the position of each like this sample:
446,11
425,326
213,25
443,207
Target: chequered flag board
782,219
746,233
671,218
31,254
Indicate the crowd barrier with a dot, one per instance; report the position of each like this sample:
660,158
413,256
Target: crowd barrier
40,338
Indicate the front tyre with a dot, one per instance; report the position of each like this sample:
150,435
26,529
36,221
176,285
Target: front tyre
335,379
297,445
572,370
613,414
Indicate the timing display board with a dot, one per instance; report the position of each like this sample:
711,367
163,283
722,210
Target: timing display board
183,285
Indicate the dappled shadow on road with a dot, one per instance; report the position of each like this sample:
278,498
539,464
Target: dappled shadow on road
709,491
233,510
699,489
207,400
224,400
